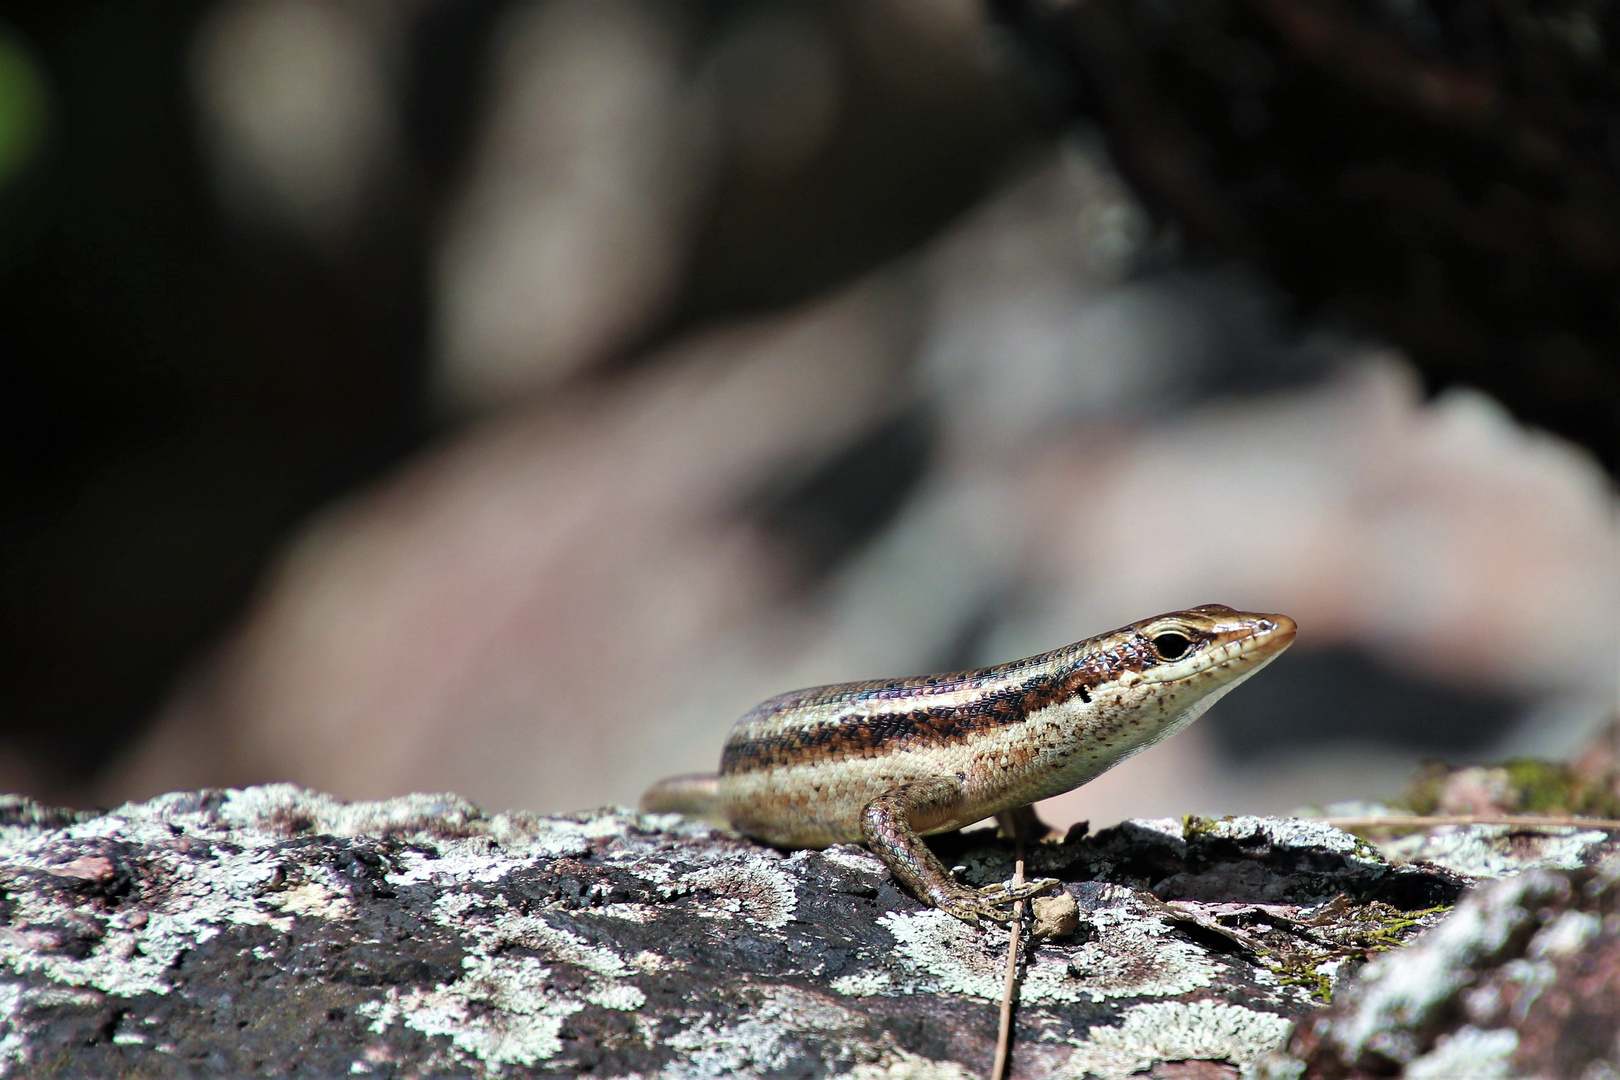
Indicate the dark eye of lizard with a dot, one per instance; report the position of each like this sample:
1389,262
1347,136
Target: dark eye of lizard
1171,646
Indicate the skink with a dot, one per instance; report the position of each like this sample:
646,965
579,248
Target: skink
887,762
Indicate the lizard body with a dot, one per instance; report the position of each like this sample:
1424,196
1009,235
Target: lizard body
887,762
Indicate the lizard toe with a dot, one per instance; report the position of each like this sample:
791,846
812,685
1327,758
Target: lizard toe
964,908
977,905
1006,892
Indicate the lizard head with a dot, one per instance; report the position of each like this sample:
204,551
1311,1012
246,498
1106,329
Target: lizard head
1213,644
1152,678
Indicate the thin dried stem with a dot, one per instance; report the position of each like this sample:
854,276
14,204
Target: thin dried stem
998,1069
1529,821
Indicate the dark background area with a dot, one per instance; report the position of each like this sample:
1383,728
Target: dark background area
176,396
1444,172
180,390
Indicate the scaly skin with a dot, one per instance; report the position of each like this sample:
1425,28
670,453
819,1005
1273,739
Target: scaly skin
887,762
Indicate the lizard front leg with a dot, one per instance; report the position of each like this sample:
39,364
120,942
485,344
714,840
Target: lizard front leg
887,829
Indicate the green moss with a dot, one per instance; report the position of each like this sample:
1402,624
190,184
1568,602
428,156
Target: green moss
1353,932
1319,984
1367,850
1393,923
1194,827
1423,793
1546,787
1530,786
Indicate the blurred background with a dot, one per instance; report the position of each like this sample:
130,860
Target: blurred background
503,397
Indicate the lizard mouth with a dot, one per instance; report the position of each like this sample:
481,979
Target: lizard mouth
1253,645
1270,635
1254,637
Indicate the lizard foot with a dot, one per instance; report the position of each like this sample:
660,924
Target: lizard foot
990,902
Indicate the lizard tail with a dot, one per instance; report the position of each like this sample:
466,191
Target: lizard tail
696,795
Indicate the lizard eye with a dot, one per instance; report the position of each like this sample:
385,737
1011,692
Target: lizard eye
1171,646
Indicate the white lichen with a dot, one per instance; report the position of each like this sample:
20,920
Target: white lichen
945,954
1130,955
906,1066
500,1011
649,961
854,858
1567,934
863,983
129,960
1497,851
1177,1031
497,936
1475,1053
636,913
1298,833
766,1040
15,1000
747,888
503,1010
620,996
1171,829
13,1053
1399,990
314,900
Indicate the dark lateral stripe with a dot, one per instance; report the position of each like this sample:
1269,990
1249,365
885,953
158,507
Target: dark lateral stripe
861,734
833,723
798,733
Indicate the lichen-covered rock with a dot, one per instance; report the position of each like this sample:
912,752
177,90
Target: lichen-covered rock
1485,852
273,931
1522,981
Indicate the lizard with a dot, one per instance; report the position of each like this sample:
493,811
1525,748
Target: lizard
889,761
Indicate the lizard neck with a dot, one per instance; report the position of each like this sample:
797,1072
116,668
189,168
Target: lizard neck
1114,708
1081,741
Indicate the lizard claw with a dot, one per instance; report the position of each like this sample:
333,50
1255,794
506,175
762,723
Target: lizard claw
990,902
970,909
1005,892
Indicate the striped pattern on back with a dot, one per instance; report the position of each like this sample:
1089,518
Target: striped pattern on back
867,718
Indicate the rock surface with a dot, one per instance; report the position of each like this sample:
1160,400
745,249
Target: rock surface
1522,981
274,931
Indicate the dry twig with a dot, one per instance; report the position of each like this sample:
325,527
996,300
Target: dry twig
998,1068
